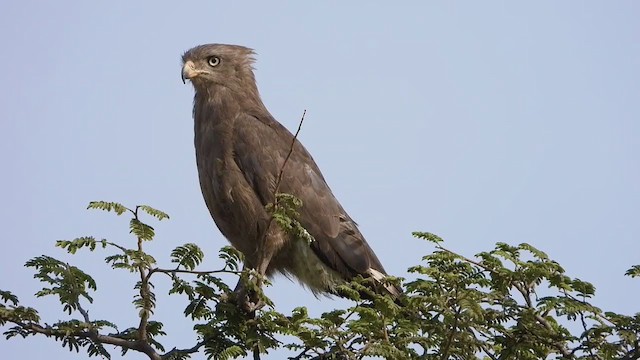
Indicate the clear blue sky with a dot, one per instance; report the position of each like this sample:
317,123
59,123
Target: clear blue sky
479,121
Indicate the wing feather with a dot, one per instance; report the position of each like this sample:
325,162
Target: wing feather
261,146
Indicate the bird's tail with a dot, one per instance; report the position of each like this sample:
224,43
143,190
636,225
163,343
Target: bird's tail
376,281
380,278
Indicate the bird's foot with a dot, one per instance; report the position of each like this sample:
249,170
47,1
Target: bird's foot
249,301
248,297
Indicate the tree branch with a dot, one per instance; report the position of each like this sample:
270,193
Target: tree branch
93,335
293,142
191,350
192,272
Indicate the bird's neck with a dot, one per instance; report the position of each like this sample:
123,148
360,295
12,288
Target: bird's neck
226,103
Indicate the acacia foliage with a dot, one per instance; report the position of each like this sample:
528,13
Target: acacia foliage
512,302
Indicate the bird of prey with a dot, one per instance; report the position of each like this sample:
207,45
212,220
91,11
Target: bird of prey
240,152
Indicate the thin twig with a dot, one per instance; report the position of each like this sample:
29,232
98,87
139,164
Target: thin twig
122,248
192,272
586,332
144,292
85,313
486,351
280,174
191,350
299,356
465,259
293,143
560,346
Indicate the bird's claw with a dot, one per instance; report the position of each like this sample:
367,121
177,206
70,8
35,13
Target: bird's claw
251,306
248,300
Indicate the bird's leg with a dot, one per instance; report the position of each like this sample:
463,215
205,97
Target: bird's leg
251,298
247,292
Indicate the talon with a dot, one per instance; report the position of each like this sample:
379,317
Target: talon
253,306
248,301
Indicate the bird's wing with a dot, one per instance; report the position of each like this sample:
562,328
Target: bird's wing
261,145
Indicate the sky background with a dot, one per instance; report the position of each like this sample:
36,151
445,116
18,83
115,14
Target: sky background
479,121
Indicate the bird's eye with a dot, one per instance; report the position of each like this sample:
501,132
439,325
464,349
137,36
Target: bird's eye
213,61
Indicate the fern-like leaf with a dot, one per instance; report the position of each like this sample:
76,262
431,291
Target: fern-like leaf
160,215
108,206
188,256
141,230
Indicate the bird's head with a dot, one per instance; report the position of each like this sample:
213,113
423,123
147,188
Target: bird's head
218,65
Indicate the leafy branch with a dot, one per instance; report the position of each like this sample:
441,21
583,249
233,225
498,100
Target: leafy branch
486,306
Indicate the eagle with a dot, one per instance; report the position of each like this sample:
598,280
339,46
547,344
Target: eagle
240,152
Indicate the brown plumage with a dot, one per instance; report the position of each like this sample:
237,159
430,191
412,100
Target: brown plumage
240,149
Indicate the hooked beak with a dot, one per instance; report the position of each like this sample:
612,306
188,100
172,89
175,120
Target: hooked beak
188,71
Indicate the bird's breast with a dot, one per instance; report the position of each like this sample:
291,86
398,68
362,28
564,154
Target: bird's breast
232,203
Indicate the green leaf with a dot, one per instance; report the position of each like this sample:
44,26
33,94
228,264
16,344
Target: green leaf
78,243
231,256
108,206
427,236
634,271
8,297
232,352
537,253
188,256
141,230
160,215
68,282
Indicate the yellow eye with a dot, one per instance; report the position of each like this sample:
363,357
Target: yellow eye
213,61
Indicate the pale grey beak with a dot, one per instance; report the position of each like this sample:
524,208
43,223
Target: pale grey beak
188,71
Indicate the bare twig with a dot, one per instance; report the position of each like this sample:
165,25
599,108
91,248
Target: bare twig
85,313
293,143
280,174
486,351
560,346
191,350
192,272
122,248
481,265
299,356
526,294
